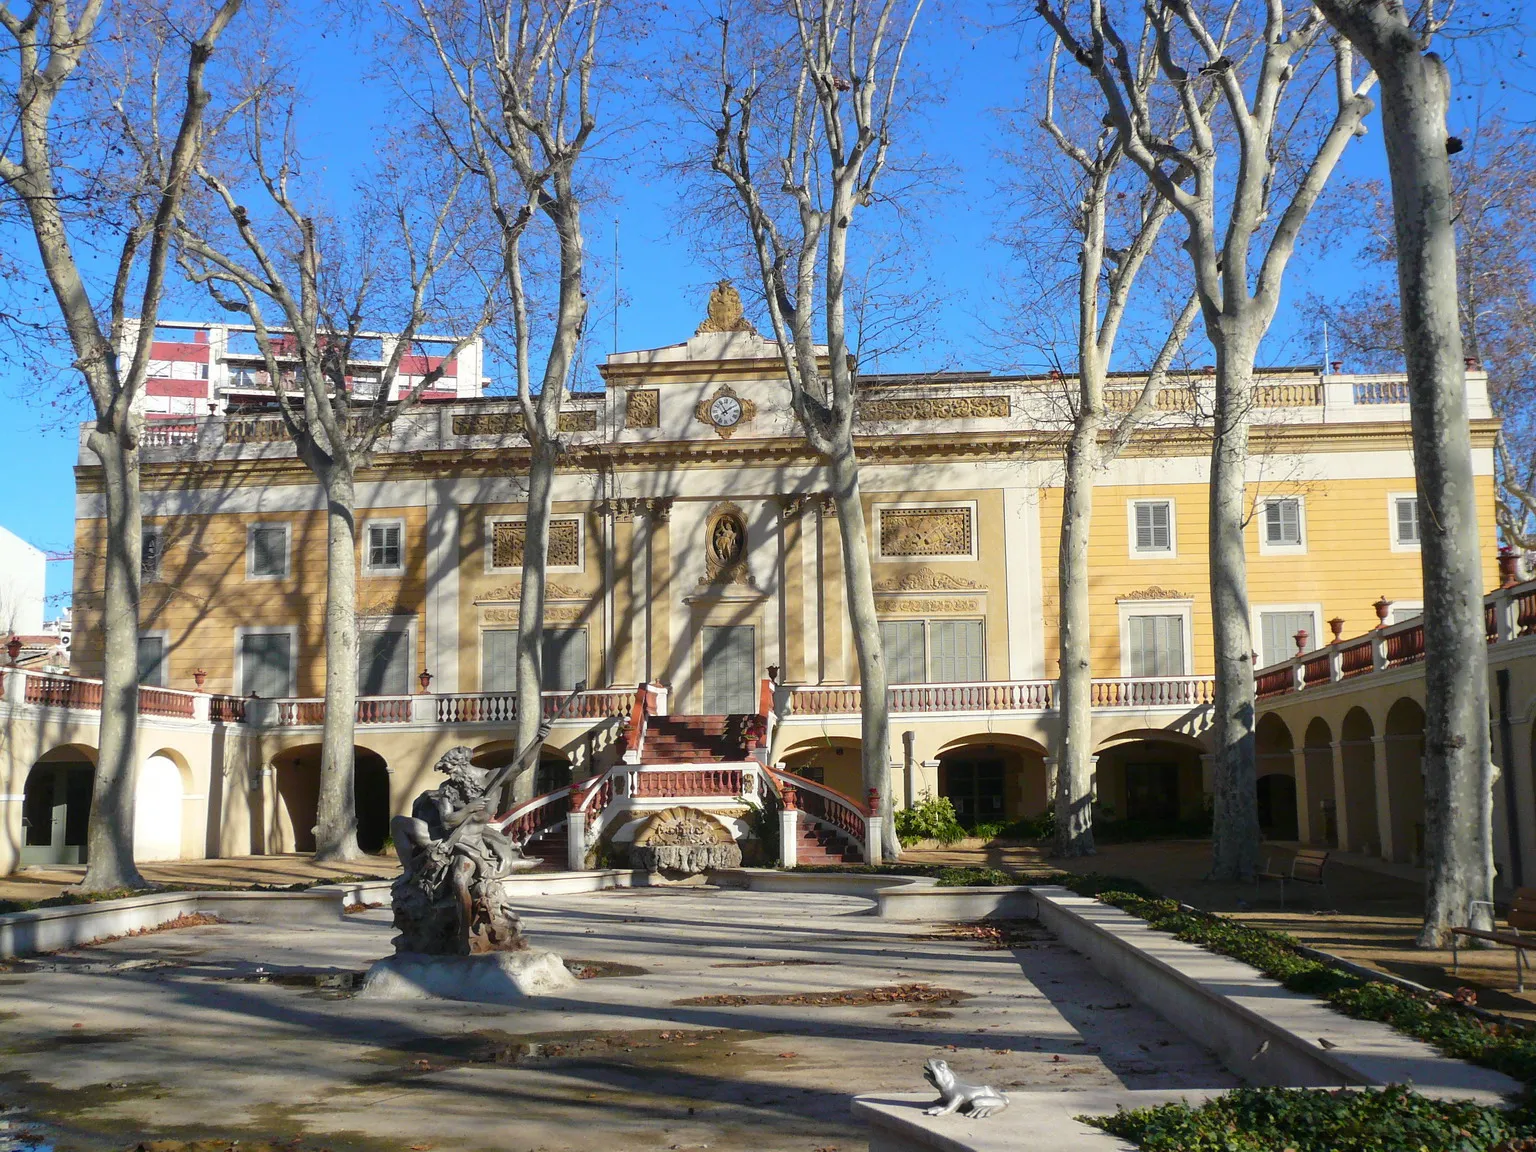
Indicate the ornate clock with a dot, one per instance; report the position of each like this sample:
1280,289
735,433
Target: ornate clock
724,411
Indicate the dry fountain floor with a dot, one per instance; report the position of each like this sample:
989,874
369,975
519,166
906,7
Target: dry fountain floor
220,1032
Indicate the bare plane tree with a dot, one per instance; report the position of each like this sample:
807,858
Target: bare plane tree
1258,207
519,115
1105,274
800,174
1458,778
314,311
51,44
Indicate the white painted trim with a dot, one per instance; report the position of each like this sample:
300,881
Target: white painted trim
250,552
1019,575
1256,613
1261,518
1392,540
906,505
489,548
1404,610
291,630
367,566
443,590
1172,551
1181,607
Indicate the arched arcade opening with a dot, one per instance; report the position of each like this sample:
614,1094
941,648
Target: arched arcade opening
992,778
296,798
56,806
1152,781
1276,783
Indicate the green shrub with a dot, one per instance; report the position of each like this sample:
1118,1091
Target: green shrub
1317,1120
975,878
931,818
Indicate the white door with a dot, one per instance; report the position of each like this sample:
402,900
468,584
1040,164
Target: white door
157,811
730,670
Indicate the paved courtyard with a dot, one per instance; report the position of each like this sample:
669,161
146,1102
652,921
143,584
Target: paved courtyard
235,1031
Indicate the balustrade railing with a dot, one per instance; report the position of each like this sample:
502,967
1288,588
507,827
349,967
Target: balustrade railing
501,707
825,804
1153,692
540,814
226,709
1005,696
1508,614
384,710
1381,392
669,782
166,702
63,692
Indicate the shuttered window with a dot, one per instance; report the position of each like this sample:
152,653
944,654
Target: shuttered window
265,660
905,662
955,654
385,552
152,661
498,660
933,651
1154,526
1156,645
384,662
1282,522
563,659
730,670
269,551
1406,509
1277,635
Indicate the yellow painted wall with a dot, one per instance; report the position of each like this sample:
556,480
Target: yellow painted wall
204,594
1347,566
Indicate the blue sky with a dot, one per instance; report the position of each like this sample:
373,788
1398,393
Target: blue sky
973,71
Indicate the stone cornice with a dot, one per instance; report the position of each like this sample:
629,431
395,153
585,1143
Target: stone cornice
1000,444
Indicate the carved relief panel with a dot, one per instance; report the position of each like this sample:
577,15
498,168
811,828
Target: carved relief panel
725,547
932,532
507,537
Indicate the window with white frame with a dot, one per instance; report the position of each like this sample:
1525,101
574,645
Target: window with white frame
385,546
1152,528
934,651
151,552
267,551
266,664
1404,610
384,659
1282,525
1405,523
564,659
1154,637
1277,633
152,661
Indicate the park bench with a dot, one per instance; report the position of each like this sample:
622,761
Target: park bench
1522,917
1306,868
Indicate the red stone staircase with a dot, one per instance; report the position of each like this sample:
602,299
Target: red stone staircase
694,740
549,848
819,844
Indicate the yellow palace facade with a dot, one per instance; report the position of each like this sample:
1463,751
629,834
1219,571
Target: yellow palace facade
693,551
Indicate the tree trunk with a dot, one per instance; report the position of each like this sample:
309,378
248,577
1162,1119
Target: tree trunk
1458,780
109,835
336,816
1236,836
530,611
875,732
1074,763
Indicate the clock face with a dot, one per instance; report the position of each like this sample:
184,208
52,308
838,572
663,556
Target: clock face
725,411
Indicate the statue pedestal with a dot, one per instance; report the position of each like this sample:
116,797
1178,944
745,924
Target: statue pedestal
486,978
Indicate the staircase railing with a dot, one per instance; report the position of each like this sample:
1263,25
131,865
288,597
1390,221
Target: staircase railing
541,814
827,805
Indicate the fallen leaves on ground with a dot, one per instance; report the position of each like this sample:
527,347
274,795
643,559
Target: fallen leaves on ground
845,998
